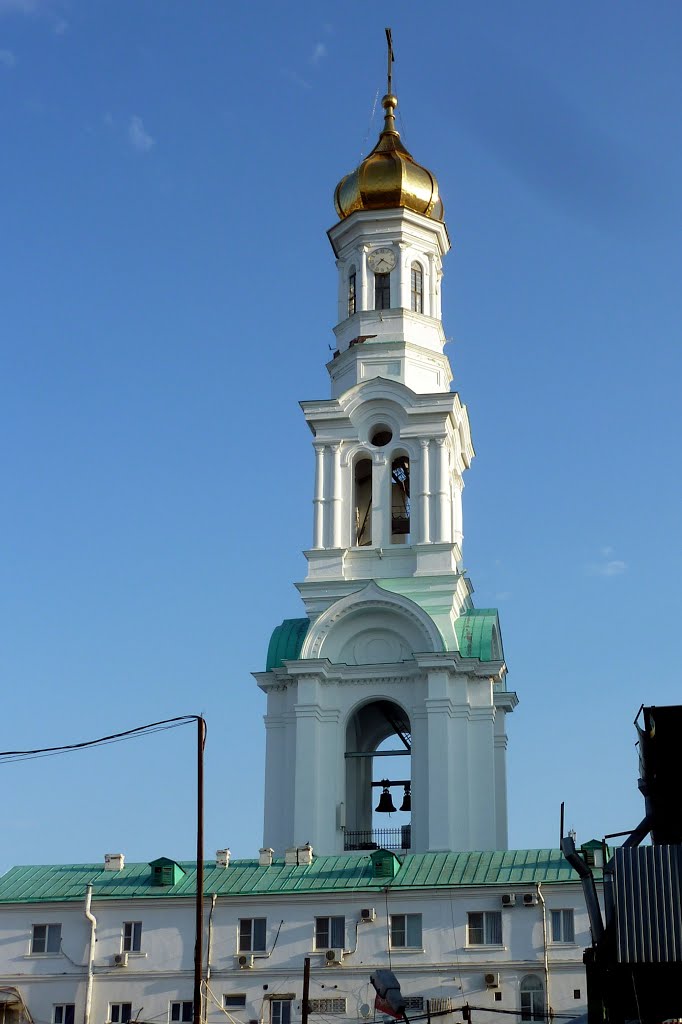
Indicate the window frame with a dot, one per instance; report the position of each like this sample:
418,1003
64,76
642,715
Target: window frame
382,291
485,929
182,1005
65,1016
252,937
352,292
131,941
395,930
334,923
281,1017
241,996
565,918
49,946
121,1018
531,1012
416,287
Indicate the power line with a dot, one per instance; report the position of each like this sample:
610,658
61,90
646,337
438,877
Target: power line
7,756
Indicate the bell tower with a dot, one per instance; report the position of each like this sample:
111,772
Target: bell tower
391,645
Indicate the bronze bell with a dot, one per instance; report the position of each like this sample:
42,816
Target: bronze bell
385,805
406,805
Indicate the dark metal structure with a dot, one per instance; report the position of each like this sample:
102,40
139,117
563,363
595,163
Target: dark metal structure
634,967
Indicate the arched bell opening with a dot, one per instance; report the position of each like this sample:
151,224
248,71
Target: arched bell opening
378,778
362,503
400,500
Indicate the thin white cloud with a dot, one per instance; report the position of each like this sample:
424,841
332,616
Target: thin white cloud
607,566
7,59
295,77
138,136
318,54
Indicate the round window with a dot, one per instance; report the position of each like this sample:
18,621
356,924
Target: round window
381,436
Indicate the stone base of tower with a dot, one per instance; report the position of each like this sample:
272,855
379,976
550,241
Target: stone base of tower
373,665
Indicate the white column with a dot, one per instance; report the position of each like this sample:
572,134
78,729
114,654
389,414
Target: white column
336,496
424,494
442,492
362,299
432,308
318,500
403,296
381,502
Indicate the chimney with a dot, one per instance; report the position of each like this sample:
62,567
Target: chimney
114,861
222,858
299,855
265,856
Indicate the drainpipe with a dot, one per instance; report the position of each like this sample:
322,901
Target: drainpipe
541,898
91,954
209,943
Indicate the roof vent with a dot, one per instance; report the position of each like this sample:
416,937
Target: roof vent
165,871
222,858
114,861
265,855
384,864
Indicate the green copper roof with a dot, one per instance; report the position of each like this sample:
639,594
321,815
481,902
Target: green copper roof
478,634
286,642
348,873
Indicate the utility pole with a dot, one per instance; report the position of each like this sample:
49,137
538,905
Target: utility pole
306,990
199,902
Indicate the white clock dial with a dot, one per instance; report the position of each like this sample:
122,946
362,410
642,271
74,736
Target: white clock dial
382,261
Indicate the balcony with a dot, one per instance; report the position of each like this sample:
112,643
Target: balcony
379,838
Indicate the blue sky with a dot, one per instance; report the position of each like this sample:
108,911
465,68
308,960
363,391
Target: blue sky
168,292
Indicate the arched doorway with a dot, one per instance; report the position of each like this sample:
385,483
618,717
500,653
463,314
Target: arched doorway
378,772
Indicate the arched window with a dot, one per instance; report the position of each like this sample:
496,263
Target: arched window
417,287
532,998
382,291
351,292
362,528
400,500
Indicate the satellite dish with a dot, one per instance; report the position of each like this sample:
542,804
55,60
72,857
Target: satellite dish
365,1010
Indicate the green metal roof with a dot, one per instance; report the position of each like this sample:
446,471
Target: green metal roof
348,873
286,642
478,634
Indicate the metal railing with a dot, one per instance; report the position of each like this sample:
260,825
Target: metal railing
379,838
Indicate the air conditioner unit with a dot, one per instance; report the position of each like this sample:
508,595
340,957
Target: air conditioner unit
508,899
245,960
530,899
492,980
368,914
121,959
333,956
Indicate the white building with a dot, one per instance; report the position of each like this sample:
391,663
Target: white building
390,650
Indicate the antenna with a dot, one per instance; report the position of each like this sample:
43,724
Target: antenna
391,58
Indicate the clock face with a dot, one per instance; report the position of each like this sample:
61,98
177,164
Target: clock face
381,261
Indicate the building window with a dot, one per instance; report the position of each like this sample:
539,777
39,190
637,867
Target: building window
406,931
64,1013
182,1011
400,500
234,1000
252,935
330,932
382,291
334,1005
563,926
280,1011
414,1002
417,288
532,998
484,928
351,292
132,936
363,502
46,938
120,1013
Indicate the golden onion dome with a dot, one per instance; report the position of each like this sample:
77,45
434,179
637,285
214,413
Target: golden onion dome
389,178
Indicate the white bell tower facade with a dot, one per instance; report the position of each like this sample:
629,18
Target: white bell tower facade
390,645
